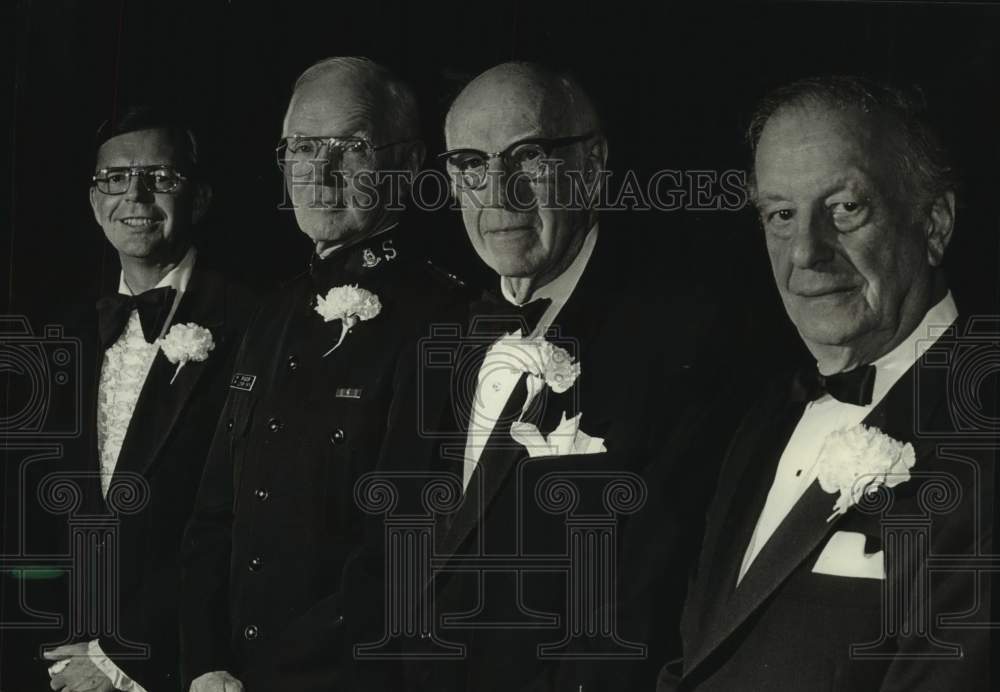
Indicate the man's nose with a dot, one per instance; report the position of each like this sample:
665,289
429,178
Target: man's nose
812,242
506,189
138,190
329,170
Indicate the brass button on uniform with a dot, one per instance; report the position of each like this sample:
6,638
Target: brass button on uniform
251,632
261,494
274,425
229,424
293,363
337,436
256,563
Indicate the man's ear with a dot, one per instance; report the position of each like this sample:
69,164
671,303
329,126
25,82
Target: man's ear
594,164
201,203
597,157
93,206
939,226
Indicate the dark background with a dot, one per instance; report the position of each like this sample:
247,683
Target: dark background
675,87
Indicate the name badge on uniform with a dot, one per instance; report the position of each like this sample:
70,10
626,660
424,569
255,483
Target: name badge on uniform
348,392
243,382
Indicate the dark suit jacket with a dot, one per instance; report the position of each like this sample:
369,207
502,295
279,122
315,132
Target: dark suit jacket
151,493
788,628
629,392
276,519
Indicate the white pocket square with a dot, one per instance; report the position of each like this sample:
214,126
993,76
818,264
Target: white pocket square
566,439
844,556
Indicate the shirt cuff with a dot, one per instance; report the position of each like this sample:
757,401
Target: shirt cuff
118,678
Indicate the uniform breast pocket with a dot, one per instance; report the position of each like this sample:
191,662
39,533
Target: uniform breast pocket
240,418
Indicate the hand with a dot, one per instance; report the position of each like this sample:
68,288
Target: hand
217,681
79,674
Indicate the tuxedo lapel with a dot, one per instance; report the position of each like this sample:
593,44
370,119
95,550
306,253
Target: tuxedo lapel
805,527
499,457
578,322
160,402
742,490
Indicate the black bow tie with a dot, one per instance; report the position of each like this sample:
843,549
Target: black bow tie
851,387
510,317
113,312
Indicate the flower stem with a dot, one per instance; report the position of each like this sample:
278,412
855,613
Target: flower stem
344,328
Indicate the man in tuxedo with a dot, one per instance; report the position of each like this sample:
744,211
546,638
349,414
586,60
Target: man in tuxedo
276,520
552,378
147,421
821,566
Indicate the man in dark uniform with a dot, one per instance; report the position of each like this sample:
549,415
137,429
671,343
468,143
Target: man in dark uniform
276,521
149,405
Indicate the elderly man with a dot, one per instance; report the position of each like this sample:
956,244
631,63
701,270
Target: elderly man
276,522
552,375
139,461
845,481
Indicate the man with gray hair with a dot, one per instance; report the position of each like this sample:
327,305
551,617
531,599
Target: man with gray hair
856,498
275,520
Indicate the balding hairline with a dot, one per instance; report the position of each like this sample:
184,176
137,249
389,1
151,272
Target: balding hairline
391,102
560,95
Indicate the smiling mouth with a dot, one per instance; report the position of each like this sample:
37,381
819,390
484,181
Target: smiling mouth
138,221
822,292
512,229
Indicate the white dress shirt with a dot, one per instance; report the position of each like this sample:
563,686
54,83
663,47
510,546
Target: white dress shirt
126,365
497,376
798,467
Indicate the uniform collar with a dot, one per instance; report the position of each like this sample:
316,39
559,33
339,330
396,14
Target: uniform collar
355,261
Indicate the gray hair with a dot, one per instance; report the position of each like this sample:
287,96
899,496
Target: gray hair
387,96
926,164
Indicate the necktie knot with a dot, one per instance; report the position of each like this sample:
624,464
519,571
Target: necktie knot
508,317
113,313
850,387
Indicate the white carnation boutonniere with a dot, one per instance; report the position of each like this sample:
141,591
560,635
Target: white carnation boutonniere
857,460
186,343
350,305
546,364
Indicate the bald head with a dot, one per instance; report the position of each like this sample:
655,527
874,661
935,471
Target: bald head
529,95
355,90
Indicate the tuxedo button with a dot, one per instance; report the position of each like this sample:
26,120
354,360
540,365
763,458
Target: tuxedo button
337,436
255,564
229,424
261,494
293,363
274,425
251,632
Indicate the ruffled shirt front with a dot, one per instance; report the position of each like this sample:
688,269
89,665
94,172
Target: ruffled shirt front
127,363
